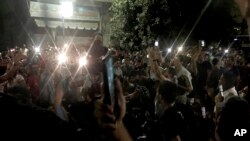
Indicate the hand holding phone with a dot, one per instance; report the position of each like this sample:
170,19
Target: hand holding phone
108,80
106,114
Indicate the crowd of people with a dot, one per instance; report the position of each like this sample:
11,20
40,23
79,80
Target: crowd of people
180,95
187,94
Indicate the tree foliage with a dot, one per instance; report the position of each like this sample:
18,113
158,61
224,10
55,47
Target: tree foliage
137,24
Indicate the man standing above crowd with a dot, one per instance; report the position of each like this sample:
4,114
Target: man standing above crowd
184,81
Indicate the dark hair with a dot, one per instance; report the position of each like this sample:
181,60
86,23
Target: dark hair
234,115
215,61
21,93
172,71
167,90
229,78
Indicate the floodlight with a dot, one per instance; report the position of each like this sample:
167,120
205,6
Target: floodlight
66,9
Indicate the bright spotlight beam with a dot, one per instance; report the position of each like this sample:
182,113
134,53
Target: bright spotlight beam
62,58
83,61
226,51
37,50
169,50
180,48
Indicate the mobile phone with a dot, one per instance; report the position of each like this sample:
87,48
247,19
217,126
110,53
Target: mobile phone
202,43
221,90
108,80
203,111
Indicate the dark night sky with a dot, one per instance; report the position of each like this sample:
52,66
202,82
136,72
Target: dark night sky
14,16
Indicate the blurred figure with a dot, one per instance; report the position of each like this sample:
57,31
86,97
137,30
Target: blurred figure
171,124
230,67
184,81
117,69
235,115
214,76
227,82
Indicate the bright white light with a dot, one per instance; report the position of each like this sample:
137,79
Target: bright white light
26,50
147,56
156,43
226,51
66,9
180,48
12,50
202,43
235,39
66,45
169,50
62,58
37,50
83,61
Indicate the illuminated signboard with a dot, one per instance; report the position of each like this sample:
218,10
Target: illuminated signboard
74,25
46,10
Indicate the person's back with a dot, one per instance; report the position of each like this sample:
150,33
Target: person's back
23,120
234,116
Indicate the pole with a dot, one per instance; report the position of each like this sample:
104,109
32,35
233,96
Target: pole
63,30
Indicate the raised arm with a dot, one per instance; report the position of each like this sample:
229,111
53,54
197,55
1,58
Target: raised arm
109,121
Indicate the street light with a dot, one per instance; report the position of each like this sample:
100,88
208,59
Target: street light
66,11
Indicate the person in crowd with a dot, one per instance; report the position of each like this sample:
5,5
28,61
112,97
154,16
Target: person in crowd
229,66
234,116
184,81
33,85
227,90
126,67
73,93
214,76
117,69
171,124
22,118
46,87
204,67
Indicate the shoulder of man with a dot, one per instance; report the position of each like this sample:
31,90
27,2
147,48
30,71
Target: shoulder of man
24,118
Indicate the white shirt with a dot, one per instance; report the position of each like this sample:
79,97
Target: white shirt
153,76
17,81
185,72
226,94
